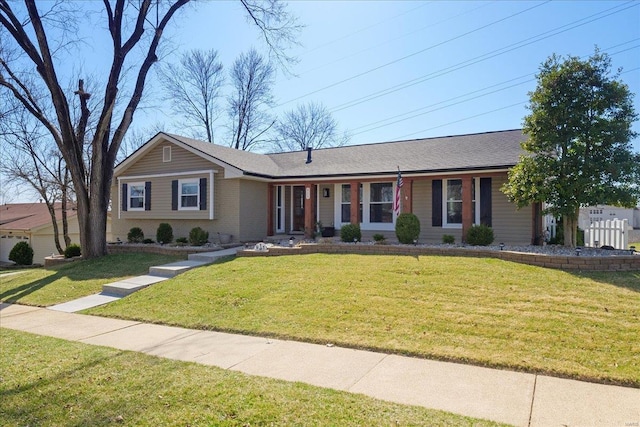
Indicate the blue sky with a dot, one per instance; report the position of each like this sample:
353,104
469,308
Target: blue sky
391,70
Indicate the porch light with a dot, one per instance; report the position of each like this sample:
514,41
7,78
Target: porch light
578,250
501,246
325,192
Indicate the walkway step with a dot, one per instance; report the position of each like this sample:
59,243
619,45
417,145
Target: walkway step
85,302
131,285
175,268
209,257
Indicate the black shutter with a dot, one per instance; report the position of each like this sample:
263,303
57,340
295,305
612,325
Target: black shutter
174,195
147,196
485,201
436,203
124,197
203,194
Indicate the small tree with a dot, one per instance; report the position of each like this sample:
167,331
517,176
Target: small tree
579,151
21,254
164,234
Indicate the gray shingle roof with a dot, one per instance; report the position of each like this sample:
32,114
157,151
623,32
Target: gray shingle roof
490,150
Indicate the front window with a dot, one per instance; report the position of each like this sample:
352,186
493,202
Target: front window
454,202
345,204
381,202
189,194
136,196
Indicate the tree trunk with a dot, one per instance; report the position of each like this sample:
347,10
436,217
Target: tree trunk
570,229
54,222
65,222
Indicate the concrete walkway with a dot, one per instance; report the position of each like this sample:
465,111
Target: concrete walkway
511,397
114,291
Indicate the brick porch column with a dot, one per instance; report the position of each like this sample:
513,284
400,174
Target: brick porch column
406,192
309,198
355,202
271,195
467,209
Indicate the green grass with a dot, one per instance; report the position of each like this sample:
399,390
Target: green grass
50,382
636,244
481,311
48,286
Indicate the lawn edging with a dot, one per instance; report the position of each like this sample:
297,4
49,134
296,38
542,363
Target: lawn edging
561,262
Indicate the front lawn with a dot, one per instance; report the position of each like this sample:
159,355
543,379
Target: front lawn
46,381
481,311
49,286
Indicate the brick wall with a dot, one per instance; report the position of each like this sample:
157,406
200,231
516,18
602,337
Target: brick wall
584,263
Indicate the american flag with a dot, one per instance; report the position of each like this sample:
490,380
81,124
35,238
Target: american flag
396,205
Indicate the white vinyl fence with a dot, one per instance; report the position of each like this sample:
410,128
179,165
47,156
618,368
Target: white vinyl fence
610,232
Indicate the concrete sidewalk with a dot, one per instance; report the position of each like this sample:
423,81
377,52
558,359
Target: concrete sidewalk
511,397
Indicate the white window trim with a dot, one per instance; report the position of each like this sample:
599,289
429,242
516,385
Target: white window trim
366,223
129,186
280,192
476,220
189,181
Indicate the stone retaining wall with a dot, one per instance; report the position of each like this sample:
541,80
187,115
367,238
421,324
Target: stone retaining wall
581,263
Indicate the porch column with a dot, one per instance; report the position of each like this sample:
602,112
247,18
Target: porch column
467,201
271,195
537,230
407,196
308,210
355,202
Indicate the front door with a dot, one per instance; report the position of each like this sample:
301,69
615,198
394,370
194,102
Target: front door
297,218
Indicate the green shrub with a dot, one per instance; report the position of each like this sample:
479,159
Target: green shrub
21,254
480,235
198,237
407,228
135,235
73,250
164,233
181,241
148,241
379,238
350,233
448,239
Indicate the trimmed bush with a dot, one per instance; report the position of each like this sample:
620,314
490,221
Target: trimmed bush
480,235
164,234
350,233
198,237
148,241
181,241
21,254
379,238
73,250
407,228
448,239
135,235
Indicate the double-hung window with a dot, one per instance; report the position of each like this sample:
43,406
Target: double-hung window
452,205
189,194
135,197
381,202
345,204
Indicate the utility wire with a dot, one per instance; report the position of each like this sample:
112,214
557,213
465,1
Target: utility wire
381,123
497,52
412,54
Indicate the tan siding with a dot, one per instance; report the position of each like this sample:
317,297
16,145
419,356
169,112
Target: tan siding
510,226
181,161
253,210
326,216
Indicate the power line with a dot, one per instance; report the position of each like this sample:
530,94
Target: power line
380,123
411,55
484,57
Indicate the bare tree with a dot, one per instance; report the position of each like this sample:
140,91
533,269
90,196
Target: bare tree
31,158
34,59
308,125
193,88
252,78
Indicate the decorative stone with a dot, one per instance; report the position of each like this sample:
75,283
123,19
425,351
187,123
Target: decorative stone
261,247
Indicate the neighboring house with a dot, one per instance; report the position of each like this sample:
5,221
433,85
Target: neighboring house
31,222
450,183
597,213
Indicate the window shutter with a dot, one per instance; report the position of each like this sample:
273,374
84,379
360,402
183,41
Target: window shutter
174,195
485,201
436,203
203,194
147,196
124,197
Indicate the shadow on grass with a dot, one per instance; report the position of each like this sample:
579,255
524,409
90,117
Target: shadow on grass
623,279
